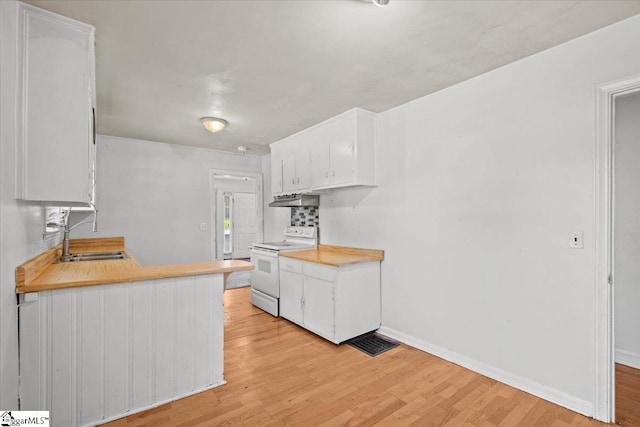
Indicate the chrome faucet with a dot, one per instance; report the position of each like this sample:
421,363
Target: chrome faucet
67,229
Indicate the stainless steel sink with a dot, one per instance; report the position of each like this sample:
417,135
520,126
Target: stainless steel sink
94,256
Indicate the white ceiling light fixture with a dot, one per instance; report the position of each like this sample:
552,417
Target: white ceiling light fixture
213,124
381,3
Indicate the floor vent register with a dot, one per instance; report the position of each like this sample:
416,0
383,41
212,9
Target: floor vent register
372,343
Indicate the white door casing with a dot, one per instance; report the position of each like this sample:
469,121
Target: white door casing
217,208
604,384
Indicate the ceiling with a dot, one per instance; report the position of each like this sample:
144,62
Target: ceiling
272,68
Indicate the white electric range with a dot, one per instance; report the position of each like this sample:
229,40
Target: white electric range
265,276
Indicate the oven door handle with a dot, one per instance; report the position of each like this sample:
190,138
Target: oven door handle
265,252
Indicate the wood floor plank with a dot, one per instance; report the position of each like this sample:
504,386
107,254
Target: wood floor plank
627,396
279,374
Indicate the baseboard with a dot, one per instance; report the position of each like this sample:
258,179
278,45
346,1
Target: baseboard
628,358
544,392
155,405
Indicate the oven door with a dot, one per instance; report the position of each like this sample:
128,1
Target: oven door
265,276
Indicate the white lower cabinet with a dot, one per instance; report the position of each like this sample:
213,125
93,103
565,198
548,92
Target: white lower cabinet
319,308
291,296
337,303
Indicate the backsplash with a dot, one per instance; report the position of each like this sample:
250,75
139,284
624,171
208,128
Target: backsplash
305,216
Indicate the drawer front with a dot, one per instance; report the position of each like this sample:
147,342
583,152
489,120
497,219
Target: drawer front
320,271
290,264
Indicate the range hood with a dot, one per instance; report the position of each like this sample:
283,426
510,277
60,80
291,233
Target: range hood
295,200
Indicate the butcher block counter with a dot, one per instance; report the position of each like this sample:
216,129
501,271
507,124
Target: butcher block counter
111,338
336,256
42,273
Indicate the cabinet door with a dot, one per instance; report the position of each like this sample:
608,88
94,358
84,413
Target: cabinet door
318,307
276,172
291,285
289,173
56,67
303,170
342,160
320,166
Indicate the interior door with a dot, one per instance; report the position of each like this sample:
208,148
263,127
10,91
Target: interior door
244,223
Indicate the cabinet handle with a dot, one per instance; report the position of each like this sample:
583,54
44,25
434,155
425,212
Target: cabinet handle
326,174
334,173
293,180
298,180
93,111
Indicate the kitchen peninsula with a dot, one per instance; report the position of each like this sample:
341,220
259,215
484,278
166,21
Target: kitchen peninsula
104,339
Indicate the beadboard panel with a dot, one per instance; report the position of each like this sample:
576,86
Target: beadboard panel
93,353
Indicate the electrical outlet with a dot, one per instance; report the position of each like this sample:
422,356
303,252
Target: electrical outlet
204,226
576,239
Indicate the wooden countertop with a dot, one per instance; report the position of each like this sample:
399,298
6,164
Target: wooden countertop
336,256
42,274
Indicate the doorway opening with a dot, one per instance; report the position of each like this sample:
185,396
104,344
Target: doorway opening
617,243
626,257
236,206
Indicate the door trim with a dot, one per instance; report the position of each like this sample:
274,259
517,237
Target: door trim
604,381
212,199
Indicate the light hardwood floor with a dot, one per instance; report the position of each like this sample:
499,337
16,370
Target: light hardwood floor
279,374
627,396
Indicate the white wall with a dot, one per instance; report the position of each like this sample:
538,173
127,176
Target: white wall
275,219
156,195
627,230
480,184
21,224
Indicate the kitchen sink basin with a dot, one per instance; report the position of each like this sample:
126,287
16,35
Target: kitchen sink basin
94,256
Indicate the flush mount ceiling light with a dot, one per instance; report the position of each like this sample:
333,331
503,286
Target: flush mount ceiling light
213,124
380,3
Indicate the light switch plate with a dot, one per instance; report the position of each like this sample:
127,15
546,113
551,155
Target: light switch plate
204,226
576,239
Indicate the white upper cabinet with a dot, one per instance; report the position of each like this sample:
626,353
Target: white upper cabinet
303,169
339,152
56,105
342,162
320,166
289,173
296,173
276,171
